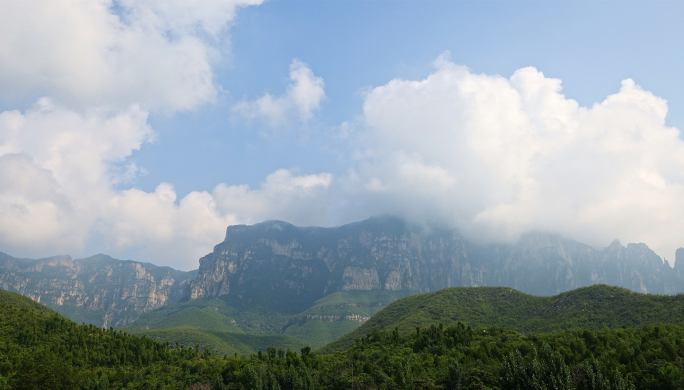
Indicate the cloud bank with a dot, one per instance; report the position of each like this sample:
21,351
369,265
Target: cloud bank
493,156
105,65
158,54
497,157
57,190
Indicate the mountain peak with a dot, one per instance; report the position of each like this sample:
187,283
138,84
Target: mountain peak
679,258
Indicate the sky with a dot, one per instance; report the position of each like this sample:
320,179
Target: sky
142,129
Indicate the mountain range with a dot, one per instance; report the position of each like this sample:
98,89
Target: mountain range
275,267
96,290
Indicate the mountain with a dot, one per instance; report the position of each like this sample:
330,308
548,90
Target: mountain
96,290
39,349
21,302
281,271
287,268
592,308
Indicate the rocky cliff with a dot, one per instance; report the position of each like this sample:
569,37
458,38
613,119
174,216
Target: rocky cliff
277,264
98,290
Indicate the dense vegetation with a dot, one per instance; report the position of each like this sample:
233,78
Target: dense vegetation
591,308
40,349
43,350
216,324
223,343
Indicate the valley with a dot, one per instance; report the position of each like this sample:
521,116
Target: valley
214,323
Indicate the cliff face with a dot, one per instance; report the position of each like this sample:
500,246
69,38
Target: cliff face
281,267
99,289
275,263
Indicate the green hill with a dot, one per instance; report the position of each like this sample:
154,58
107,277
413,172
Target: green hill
212,314
337,314
223,343
592,307
216,324
20,301
40,349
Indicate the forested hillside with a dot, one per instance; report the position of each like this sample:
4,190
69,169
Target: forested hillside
214,323
39,350
593,307
284,270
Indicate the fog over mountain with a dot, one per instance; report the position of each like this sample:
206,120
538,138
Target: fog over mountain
274,261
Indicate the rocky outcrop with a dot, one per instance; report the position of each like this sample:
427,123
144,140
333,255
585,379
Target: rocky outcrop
360,279
98,290
275,263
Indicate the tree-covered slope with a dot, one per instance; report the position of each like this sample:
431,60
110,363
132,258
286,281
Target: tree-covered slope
213,322
648,357
592,307
39,350
19,301
223,343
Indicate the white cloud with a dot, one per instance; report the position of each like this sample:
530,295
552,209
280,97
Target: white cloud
296,199
304,95
179,233
56,172
493,156
57,191
497,157
86,53
107,64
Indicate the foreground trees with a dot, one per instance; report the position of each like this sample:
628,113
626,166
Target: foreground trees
40,350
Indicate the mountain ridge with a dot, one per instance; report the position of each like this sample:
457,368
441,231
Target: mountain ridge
98,289
593,308
304,264
285,268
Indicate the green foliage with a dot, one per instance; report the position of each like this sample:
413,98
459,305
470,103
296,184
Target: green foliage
536,372
207,322
318,333
48,351
42,350
20,301
591,307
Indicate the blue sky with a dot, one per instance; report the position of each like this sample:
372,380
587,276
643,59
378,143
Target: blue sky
165,98
353,45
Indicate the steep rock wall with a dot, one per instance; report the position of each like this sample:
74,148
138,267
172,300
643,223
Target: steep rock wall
275,263
99,289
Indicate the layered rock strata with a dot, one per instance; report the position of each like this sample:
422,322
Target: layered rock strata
276,263
99,289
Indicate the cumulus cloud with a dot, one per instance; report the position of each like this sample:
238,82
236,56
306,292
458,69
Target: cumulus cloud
499,156
156,225
303,96
158,54
56,171
493,156
106,64
57,191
